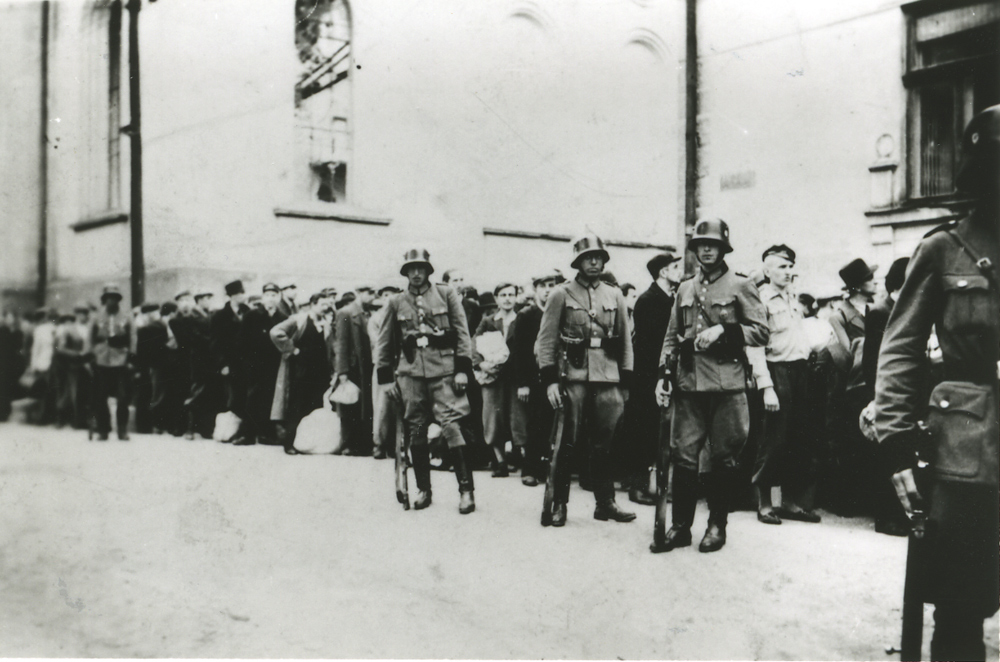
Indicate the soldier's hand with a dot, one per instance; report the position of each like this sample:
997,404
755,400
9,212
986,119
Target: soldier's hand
395,393
461,381
771,399
705,339
663,393
523,393
555,396
906,489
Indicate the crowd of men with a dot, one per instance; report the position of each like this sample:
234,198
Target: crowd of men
718,384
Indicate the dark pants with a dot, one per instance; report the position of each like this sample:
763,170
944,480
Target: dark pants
357,420
234,386
260,397
165,398
531,427
142,392
432,400
645,427
592,410
785,456
958,633
111,382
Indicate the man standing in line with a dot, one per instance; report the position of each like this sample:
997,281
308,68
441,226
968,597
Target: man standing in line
784,457
716,315
192,329
288,306
112,342
424,345
953,285
354,363
261,360
584,346
495,378
225,328
647,426
384,408
531,413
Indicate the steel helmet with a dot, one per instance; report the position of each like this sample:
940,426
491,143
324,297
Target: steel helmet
416,256
711,229
588,243
980,167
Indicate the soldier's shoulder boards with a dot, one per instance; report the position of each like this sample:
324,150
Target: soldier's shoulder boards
944,226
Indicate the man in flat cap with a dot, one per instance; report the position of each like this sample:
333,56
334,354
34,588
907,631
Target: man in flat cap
584,346
112,341
784,458
424,345
287,305
354,363
647,426
531,413
192,329
225,330
261,360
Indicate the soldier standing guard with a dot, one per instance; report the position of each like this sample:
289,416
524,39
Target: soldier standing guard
112,342
953,285
424,344
716,315
585,342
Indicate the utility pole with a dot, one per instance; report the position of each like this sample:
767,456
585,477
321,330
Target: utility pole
134,130
691,163
43,165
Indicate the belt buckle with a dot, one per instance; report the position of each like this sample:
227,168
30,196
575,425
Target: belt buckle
422,341
595,343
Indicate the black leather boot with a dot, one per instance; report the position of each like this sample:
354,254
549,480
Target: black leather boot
466,486
718,485
608,510
685,498
422,473
559,514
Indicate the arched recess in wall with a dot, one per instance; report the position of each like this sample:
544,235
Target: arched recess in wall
323,104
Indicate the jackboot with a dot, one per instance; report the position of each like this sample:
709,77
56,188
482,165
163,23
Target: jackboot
718,484
421,457
559,514
608,510
604,489
685,498
466,485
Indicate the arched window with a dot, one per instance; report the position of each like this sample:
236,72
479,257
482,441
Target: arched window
323,98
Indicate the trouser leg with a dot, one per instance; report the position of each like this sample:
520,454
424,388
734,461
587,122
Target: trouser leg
102,391
573,407
607,406
122,398
958,633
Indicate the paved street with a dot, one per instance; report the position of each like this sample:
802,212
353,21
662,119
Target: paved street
162,547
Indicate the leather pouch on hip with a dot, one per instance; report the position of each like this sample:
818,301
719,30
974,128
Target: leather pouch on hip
963,423
446,340
410,348
613,347
575,351
686,354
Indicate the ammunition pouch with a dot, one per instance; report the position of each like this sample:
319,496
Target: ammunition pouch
410,348
963,422
685,354
613,347
446,340
576,351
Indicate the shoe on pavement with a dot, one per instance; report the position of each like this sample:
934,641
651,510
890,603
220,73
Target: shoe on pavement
530,481
674,538
102,436
559,514
467,503
290,450
123,436
423,500
244,441
714,540
799,515
609,510
768,517
379,454
636,495
892,528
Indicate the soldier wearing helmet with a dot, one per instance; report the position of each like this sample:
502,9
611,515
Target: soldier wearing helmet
716,315
951,285
424,345
584,342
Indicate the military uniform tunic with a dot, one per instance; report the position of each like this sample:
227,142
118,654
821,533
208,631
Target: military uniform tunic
947,290
709,395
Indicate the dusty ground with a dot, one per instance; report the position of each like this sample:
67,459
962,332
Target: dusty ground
166,548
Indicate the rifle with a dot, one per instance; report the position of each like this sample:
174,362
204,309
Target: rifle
555,442
402,461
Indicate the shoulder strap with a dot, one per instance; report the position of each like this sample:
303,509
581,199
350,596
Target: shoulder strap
984,264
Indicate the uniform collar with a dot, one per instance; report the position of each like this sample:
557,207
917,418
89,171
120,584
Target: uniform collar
716,275
593,286
424,290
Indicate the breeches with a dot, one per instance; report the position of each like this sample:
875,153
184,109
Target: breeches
718,421
432,400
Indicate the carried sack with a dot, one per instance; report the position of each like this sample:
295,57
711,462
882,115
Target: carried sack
318,433
227,424
346,393
493,348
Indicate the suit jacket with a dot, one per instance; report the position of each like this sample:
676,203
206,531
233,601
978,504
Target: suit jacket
650,319
875,323
353,346
225,331
524,333
848,327
254,341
